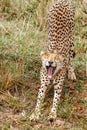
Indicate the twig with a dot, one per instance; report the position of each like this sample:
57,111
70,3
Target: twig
2,26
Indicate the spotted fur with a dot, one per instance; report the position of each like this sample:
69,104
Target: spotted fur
58,58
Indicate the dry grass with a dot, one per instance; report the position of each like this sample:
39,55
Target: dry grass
23,34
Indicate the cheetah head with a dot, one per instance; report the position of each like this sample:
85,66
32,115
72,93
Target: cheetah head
52,62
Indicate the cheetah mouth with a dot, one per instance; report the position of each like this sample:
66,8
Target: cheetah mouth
50,71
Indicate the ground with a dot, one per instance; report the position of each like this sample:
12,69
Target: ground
23,34
17,104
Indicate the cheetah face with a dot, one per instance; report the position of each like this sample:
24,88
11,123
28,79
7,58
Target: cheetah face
52,63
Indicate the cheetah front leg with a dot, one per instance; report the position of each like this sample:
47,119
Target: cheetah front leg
41,94
57,93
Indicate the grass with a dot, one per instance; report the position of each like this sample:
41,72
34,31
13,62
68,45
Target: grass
23,34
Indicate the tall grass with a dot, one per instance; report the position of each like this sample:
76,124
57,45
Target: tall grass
23,33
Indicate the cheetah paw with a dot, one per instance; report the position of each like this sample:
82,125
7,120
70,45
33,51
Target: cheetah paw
34,116
72,76
52,117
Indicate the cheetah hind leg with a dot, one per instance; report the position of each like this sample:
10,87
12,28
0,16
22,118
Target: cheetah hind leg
71,73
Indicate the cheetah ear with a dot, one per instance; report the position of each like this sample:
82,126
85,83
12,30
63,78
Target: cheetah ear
61,58
41,53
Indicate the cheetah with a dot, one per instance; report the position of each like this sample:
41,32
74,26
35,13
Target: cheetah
57,61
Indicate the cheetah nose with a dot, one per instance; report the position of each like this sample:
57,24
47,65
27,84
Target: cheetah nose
50,63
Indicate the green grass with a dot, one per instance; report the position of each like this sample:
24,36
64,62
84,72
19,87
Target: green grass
23,34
